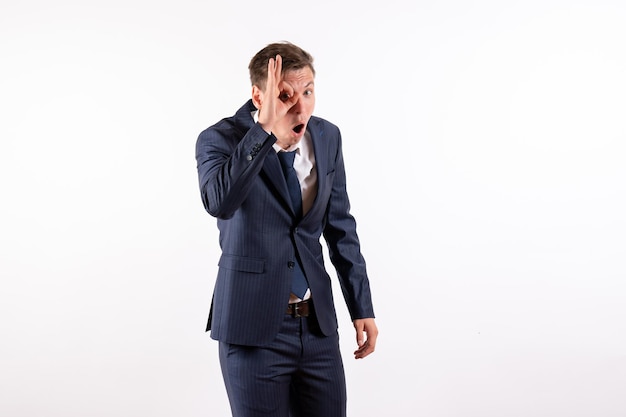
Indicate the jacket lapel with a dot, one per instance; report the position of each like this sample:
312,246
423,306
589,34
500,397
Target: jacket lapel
321,161
274,175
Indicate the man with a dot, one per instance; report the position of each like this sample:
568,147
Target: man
272,308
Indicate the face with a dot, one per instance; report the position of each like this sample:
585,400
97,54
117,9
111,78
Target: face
290,129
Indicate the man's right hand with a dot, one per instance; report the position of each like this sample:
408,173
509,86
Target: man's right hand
277,98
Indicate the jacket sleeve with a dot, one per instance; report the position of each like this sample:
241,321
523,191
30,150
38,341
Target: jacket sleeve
227,162
344,246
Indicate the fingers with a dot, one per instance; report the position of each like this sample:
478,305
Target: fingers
275,83
363,351
278,67
277,97
286,92
274,69
270,107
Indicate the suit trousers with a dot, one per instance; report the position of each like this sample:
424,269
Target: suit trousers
300,374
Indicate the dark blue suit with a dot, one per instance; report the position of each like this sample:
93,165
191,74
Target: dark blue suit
242,184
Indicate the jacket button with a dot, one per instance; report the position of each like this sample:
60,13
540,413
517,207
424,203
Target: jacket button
291,264
249,157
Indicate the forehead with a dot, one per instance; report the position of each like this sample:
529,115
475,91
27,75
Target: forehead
302,76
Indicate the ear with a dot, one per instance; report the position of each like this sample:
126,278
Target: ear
257,96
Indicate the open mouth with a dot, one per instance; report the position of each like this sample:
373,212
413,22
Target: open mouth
298,128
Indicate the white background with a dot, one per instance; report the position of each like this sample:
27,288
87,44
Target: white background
485,147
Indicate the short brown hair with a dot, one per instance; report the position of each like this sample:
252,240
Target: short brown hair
294,58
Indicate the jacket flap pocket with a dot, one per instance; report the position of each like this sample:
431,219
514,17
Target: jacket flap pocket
242,263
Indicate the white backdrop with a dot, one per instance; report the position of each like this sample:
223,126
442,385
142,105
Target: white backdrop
485,148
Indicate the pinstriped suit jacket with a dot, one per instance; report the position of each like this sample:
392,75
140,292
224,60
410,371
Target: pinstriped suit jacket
242,185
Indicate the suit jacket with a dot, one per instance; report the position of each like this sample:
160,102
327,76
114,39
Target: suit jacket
242,185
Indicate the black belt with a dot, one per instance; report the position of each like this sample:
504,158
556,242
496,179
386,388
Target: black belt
301,309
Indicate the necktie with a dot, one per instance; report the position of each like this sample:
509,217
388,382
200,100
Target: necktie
299,284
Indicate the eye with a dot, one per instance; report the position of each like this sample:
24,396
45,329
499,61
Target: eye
308,92
283,96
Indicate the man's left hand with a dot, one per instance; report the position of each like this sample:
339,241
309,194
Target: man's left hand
366,333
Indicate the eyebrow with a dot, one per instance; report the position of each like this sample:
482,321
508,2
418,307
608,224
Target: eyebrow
310,83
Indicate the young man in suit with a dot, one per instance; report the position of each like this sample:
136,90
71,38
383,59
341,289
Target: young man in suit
273,176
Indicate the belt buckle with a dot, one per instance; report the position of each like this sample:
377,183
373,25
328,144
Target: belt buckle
296,310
